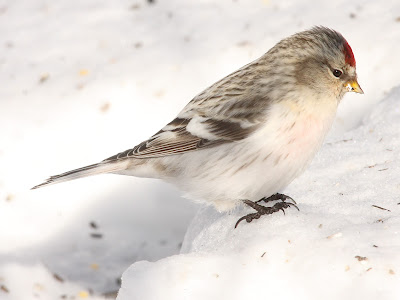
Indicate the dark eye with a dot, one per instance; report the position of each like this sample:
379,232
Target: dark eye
337,73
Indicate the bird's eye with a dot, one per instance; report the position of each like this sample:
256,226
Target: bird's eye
337,73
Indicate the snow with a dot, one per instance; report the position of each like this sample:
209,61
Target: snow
343,244
82,81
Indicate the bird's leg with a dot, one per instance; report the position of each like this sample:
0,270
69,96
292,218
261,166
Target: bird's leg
275,197
262,210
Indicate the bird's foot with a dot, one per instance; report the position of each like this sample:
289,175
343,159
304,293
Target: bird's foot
262,210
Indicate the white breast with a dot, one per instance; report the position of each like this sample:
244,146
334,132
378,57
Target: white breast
260,165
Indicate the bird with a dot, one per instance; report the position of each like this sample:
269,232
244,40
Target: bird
250,134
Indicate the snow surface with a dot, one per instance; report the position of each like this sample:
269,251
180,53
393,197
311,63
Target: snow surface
83,80
339,246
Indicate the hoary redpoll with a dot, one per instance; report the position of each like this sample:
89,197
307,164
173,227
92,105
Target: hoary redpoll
247,136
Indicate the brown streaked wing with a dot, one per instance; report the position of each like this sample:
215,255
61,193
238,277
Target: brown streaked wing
236,99
181,141
227,130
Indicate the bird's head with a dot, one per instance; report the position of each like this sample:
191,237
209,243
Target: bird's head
325,63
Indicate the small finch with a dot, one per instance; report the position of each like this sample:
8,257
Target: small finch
246,137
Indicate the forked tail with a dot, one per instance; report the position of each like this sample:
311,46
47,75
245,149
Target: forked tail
102,167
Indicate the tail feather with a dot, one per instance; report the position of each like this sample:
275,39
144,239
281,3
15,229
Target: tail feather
99,168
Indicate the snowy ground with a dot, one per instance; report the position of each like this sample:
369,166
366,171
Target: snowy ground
84,80
343,244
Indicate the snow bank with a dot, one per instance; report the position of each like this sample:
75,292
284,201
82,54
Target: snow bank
343,244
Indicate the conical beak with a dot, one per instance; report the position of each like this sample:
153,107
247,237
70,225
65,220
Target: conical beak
353,86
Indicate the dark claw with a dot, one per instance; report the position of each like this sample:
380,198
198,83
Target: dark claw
291,204
286,198
288,204
240,220
248,219
291,199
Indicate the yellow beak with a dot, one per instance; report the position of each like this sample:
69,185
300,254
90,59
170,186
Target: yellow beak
353,86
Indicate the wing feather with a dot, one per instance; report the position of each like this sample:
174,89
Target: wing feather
228,111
